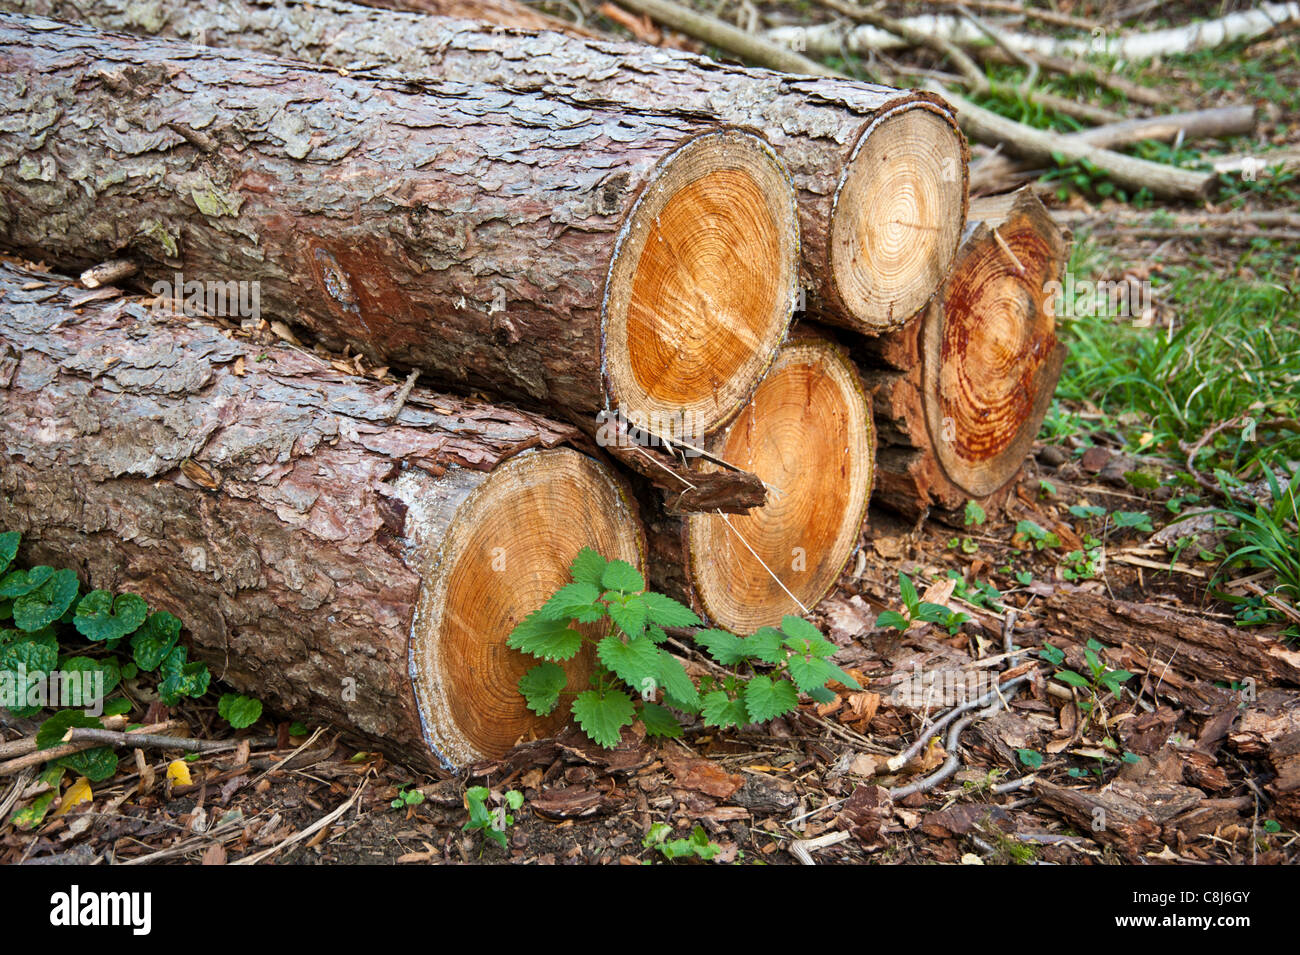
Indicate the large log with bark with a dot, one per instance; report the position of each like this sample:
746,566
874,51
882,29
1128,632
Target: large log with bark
881,173
808,435
959,395
574,256
1188,644
338,563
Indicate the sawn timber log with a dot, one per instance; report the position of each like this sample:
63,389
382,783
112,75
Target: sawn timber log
340,565
881,173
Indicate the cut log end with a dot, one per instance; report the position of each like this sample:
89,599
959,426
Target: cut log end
990,353
808,433
702,282
898,215
514,534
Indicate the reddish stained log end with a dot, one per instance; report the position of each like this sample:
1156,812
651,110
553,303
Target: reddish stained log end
991,359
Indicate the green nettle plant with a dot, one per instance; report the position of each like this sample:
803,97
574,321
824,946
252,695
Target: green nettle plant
42,611
920,611
636,678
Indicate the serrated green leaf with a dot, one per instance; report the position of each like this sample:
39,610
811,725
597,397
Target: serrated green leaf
45,604
239,711
679,688
8,549
634,662
621,576
570,601
546,639
118,707
151,644
766,699
720,710
541,687
726,648
630,617
56,727
659,721
602,716
101,617
820,694
799,628
667,612
766,644
587,567
811,673
655,633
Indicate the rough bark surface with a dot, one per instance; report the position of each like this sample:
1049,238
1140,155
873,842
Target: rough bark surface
506,13
460,229
254,492
1201,648
815,123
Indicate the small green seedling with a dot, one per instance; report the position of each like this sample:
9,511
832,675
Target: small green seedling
919,611
697,845
1040,537
407,798
492,822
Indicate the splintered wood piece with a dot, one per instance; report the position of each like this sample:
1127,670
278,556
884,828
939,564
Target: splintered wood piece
340,565
880,173
960,393
495,239
808,434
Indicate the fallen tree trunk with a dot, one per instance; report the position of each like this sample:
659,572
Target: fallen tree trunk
338,564
575,257
1050,148
808,434
1198,647
833,39
959,395
880,172
999,173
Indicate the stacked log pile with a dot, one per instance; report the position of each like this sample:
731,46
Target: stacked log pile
590,231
